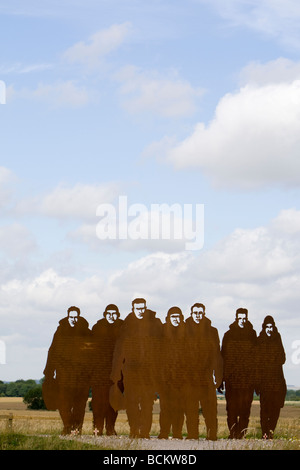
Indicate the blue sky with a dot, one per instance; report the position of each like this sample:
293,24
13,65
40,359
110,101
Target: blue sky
175,102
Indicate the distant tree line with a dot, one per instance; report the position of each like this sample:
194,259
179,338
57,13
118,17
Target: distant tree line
19,388
31,392
292,395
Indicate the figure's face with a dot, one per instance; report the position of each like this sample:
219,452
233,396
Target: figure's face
111,316
139,310
73,318
197,314
269,329
175,319
241,319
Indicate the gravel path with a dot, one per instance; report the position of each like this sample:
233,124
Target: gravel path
125,443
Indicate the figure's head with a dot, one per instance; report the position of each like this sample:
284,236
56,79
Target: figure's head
198,312
241,317
174,316
139,307
73,314
269,325
111,313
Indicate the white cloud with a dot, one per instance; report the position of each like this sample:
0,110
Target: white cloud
287,223
20,68
60,94
70,92
77,202
7,180
66,93
5,175
253,140
275,18
35,68
92,52
256,268
16,240
87,234
280,70
33,307
163,227
49,291
166,96
261,255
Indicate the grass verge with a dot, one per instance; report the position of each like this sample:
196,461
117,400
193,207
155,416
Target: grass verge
18,441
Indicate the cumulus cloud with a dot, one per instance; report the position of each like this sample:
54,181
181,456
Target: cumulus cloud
287,223
257,256
33,306
281,70
255,268
252,141
50,291
166,96
259,267
87,234
16,240
76,202
163,227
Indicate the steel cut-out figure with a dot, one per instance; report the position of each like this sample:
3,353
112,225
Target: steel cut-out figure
270,382
238,351
204,369
136,359
104,335
68,364
172,381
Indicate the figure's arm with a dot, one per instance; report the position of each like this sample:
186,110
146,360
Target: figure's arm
117,361
51,362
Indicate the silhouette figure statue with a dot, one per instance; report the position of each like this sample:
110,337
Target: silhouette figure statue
270,382
104,335
67,369
204,369
238,351
136,358
172,375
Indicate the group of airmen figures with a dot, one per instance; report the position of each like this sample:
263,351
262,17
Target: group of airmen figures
128,363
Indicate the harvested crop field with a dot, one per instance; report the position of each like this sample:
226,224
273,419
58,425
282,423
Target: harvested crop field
48,423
